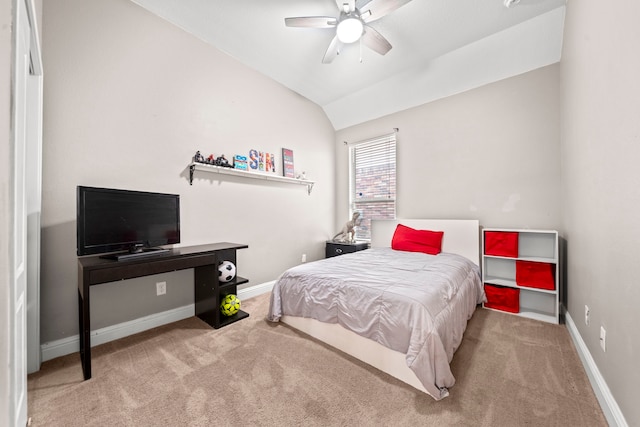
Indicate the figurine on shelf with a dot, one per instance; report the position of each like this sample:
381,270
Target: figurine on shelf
210,160
198,157
223,162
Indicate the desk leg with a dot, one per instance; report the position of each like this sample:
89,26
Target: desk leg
205,293
84,321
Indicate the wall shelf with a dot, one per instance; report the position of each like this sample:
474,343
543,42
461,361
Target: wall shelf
195,166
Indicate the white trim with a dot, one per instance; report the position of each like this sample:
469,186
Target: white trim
254,291
609,406
100,336
71,345
376,139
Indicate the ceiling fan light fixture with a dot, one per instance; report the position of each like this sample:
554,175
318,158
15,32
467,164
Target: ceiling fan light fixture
349,30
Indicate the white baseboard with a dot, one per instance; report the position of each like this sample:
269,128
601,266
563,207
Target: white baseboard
610,407
71,345
254,291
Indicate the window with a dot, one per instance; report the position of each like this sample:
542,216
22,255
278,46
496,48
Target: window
373,181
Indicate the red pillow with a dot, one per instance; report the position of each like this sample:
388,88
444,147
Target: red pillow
410,240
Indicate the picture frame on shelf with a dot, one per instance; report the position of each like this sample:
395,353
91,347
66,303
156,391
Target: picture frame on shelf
287,163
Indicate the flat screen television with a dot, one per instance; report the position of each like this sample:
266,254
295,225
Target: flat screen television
138,222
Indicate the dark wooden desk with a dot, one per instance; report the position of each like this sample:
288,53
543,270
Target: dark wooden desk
208,292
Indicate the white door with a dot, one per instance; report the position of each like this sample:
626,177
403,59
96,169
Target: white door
27,61
18,356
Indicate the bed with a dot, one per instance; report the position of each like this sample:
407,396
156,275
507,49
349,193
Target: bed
376,305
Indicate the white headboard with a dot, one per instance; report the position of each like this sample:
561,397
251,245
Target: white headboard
461,236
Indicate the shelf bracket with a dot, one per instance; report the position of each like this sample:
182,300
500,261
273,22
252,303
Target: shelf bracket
309,188
192,168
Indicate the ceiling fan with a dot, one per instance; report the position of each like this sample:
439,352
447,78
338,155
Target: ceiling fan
352,24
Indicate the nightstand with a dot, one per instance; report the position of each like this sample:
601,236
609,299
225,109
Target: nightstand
340,248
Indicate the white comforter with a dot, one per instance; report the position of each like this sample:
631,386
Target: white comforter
410,302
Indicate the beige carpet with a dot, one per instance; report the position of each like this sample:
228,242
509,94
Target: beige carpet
510,372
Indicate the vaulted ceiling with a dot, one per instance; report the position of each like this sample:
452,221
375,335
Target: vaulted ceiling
440,47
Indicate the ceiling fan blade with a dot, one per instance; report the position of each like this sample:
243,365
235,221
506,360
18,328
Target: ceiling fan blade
311,22
332,51
375,41
376,9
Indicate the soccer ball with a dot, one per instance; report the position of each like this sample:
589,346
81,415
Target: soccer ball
230,305
226,271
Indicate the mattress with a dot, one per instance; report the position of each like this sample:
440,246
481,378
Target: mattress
413,303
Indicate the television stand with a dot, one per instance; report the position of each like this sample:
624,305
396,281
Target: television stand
138,253
208,291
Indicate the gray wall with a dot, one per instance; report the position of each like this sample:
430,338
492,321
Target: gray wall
601,186
129,98
490,154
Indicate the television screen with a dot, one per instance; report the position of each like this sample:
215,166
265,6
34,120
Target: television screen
110,220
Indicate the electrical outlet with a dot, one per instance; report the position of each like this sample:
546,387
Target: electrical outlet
161,288
304,257
586,315
603,338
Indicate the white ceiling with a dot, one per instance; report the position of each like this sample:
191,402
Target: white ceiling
440,47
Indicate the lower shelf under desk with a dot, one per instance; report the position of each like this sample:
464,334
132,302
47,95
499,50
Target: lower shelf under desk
209,318
203,259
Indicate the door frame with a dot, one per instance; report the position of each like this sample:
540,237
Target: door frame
34,192
22,185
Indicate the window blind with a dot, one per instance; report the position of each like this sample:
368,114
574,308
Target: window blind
373,181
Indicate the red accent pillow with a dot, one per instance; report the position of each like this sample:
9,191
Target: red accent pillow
410,240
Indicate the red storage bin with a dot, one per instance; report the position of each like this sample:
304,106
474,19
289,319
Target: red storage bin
502,298
533,274
501,243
